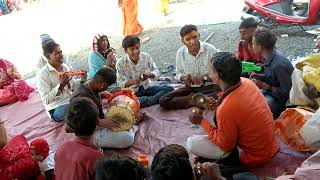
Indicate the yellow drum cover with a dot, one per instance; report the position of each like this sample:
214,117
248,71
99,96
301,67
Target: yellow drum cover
122,115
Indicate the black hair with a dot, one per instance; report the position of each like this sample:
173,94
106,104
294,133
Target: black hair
171,163
99,41
227,66
105,75
187,29
265,38
172,149
81,116
49,47
249,23
119,169
130,41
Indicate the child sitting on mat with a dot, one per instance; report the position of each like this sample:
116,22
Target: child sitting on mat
19,161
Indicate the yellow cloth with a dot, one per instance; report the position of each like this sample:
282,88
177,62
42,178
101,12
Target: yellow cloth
310,67
311,76
312,61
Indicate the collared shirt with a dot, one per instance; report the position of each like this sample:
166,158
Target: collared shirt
245,55
200,64
76,160
247,125
127,70
84,91
48,84
278,70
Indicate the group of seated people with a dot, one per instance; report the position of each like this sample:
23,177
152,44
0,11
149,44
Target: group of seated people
241,134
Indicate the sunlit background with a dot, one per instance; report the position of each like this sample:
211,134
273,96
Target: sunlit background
73,23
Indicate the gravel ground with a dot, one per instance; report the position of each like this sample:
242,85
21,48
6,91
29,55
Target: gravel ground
164,43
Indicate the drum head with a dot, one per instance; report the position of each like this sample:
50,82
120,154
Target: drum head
122,115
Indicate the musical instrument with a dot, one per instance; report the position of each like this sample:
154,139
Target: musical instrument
201,101
72,73
123,109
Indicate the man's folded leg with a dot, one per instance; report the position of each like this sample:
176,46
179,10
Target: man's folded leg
200,145
177,99
153,94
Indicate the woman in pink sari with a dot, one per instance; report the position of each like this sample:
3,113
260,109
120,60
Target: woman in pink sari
12,88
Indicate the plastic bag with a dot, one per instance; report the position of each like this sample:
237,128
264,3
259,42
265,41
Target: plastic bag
288,126
297,96
311,131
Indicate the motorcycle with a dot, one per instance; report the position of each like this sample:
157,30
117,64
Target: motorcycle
284,12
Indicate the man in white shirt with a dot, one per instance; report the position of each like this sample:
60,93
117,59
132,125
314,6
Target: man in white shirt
55,91
193,69
136,69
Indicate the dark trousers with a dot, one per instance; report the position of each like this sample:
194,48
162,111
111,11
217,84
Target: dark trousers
180,98
275,106
151,95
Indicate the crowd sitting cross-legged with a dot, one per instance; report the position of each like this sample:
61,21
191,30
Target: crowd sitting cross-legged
239,137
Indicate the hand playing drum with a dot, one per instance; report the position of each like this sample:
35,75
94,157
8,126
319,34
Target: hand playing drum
123,109
109,123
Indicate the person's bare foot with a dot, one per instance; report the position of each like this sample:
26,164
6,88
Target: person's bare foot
141,117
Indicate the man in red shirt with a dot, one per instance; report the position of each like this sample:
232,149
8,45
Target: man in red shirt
76,159
245,49
243,118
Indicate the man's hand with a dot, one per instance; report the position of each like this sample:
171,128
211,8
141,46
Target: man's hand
186,79
211,171
130,83
197,79
144,77
64,80
84,76
141,116
147,75
108,123
196,116
261,84
106,95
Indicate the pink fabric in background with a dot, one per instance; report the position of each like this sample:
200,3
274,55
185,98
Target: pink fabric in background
161,128
30,119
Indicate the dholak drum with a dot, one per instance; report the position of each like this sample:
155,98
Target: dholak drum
123,109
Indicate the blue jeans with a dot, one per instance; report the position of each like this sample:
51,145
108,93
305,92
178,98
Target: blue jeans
57,114
151,95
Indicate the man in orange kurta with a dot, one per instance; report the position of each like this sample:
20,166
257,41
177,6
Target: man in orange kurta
243,118
129,8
